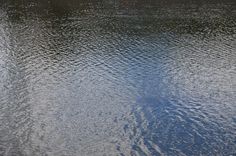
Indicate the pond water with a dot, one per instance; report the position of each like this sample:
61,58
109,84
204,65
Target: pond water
117,77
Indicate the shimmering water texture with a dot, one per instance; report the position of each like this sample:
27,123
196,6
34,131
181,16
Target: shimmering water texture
117,78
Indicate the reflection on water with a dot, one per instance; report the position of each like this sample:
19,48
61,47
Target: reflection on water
117,78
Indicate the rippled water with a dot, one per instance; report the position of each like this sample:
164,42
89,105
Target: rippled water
81,78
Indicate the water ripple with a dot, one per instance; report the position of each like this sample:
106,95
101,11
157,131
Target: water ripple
117,78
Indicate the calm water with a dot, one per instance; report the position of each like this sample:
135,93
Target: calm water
117,78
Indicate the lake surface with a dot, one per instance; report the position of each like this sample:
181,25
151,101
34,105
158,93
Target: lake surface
117,78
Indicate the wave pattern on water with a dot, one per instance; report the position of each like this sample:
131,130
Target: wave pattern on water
120,78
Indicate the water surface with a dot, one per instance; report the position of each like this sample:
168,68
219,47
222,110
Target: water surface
81,78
